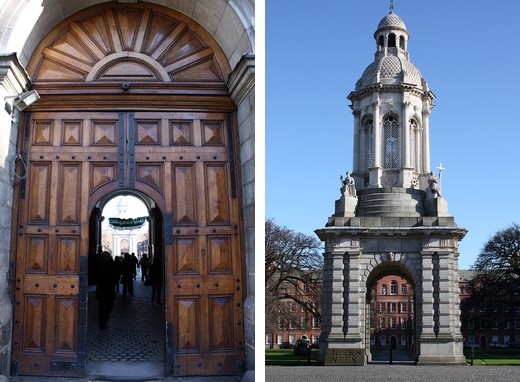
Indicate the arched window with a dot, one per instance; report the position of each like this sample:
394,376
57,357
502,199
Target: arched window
380,42
393,288
391,143
383,290
391,40
403,290
369,144
414,132
401,42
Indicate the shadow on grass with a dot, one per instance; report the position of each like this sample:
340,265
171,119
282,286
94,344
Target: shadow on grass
506,357
286,357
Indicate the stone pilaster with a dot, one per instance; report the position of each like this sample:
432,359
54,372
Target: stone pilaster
13,81
241,84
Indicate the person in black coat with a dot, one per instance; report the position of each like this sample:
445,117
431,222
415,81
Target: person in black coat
105,293
155,274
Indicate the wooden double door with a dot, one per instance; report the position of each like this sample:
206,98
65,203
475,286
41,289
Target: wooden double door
185,163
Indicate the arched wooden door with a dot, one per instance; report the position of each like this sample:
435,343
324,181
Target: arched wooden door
133,97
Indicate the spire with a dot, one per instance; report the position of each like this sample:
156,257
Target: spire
391,6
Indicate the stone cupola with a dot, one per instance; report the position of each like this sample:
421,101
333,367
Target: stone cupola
391,105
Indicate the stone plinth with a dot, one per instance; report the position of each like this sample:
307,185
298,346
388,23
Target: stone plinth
346,206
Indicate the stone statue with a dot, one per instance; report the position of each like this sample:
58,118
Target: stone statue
348,184
433,182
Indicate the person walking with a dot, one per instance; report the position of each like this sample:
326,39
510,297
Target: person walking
155,273
128,271
105,293
145,264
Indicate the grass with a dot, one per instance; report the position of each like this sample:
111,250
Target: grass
494,356
286,357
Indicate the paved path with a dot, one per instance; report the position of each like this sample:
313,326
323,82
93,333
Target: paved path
393,373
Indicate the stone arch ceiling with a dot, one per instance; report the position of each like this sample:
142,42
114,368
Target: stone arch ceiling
230,22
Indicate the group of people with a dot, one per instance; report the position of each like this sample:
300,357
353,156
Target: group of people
111,272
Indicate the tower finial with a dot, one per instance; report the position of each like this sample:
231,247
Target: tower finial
391,6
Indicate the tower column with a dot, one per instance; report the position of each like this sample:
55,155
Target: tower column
406,136
376,172
357,142
425,157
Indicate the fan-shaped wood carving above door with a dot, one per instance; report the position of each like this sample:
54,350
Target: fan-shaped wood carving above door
115,42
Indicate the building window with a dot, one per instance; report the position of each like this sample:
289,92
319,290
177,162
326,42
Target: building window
303,322
471,323
403,340
403,307
315,323
506,324
393,323
292,323
495,325
383,290
382,323
292,338
471,339
382,339
462,291
517,324
403,290
506,339
382,307
279,338
403,322
391,40
391,143
393,307
393,288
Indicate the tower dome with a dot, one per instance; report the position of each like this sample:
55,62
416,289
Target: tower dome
391,21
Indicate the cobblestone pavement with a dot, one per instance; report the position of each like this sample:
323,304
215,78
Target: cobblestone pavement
135,330
393,373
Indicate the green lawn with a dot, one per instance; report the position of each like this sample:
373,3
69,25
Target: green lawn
285,357
494,356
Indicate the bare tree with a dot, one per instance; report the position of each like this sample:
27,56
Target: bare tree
293,276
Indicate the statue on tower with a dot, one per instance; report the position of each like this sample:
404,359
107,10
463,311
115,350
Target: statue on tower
433,182
348,186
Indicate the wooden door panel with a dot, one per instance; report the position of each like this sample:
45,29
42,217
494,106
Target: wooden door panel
39,192
69,193
184,193
217,197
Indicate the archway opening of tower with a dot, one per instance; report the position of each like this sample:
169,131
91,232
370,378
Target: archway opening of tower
390,323
125,318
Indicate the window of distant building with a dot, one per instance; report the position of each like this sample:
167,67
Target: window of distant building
403,289
403,307
383,290
393,307
403,322
471,323
517,324
382,339
471,339
495,325
393,323
382,307
403,340
382,323
393,288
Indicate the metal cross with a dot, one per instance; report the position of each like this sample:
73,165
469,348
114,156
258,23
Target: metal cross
391,5
440,172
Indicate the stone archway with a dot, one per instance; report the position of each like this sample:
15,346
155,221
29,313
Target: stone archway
355,256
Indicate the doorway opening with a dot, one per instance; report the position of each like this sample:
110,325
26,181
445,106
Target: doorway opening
132,343
391,326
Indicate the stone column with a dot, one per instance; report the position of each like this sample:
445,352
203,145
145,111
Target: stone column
427,297
354,298
241,84
425,152
406,136
13,81
358,147
337,293
375,174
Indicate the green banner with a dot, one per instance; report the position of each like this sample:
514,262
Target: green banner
126,223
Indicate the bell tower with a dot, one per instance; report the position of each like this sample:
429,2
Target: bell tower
391,217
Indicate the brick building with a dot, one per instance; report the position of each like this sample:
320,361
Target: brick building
392,314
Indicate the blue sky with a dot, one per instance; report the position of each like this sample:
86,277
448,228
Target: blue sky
468,52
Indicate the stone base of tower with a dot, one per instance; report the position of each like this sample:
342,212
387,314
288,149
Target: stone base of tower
435,351
343,352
